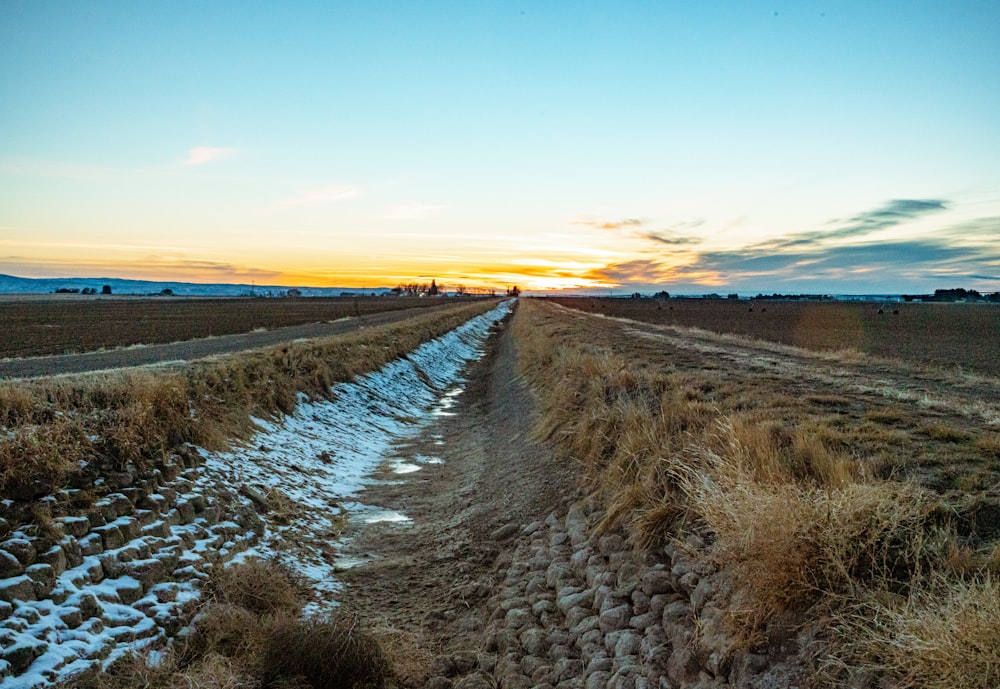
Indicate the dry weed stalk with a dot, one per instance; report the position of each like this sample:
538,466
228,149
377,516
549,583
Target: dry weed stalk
943,634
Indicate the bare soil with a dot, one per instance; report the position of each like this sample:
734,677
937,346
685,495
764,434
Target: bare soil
35,366
955,335
430,577
55,325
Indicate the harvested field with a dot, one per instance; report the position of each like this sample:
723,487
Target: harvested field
60,326
960,336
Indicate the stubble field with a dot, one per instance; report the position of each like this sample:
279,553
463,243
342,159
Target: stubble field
962,336
60,326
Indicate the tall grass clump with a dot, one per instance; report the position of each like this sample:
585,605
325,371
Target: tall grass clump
943,634
110,421
786,508
249,633
329,653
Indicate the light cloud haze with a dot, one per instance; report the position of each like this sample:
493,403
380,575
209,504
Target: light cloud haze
692,147
200,155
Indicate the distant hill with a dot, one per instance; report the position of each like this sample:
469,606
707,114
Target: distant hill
10,284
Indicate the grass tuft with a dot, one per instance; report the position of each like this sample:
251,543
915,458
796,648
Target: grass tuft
943,635
331,653
262,587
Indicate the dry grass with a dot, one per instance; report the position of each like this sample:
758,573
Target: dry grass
133,417
941,431
787,490
249,634
989,445
330,653
228,639
408,652
262,587
944,635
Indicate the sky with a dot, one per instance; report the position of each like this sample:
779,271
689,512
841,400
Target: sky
818,147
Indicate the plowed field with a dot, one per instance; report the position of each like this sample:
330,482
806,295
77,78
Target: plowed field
61,326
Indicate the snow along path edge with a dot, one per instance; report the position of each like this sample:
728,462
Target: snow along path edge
316,460
129,575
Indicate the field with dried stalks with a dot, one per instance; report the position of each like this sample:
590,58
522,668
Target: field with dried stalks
952,336
59,326
851,500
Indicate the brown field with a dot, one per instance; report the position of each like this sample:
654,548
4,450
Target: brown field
961,336
60,326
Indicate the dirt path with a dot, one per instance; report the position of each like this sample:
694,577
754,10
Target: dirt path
429,577
957,393
31,367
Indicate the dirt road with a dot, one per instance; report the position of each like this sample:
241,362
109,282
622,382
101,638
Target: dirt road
32,367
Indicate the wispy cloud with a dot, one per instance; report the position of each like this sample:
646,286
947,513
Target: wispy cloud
652,272
964,254
670,239
337,193
610,224
410,211
149,267
200,155
890,214
896,265
893,213
675,235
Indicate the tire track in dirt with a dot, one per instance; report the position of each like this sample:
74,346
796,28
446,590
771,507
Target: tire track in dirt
970,396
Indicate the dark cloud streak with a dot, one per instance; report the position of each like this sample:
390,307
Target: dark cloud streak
670,241
892,213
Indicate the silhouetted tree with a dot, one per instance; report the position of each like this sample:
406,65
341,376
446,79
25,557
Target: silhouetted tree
106,289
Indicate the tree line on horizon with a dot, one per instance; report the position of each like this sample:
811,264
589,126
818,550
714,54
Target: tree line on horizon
416,289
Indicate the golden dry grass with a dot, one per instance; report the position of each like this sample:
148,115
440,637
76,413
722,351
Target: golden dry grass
943,635
795,494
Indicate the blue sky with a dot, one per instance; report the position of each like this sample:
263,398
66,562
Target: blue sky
808,146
